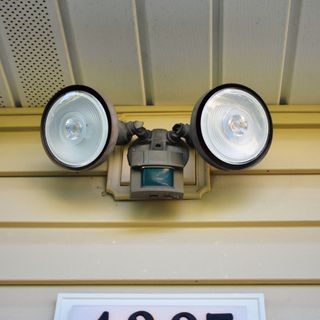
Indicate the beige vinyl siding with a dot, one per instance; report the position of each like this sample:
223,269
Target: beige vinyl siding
256,231
282,302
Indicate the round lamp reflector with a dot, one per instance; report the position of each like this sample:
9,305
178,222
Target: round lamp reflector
77,127
232,127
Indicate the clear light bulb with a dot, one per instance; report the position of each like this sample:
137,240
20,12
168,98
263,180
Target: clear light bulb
238,124
234,126
74,129
77,128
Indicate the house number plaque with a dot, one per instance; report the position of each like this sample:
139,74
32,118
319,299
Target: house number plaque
160,307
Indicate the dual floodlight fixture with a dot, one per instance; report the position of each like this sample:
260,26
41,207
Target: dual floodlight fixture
230,128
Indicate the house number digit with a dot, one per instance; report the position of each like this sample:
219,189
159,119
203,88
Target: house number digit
219,316
145,314
186,315
182,315
104,316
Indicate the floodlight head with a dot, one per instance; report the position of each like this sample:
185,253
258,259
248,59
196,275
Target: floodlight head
79,128
231,127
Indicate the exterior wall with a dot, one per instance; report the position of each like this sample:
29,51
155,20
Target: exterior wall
257,231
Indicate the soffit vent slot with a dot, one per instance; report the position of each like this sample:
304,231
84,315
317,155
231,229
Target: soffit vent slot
2,104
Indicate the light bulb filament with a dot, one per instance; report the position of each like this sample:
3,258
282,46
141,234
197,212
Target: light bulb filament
238,124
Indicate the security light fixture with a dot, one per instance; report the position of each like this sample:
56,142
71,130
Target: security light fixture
79,128
230,128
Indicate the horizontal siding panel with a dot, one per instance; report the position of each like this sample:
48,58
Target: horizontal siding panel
282,302
23,155
292,151
204,255
304,117
246,201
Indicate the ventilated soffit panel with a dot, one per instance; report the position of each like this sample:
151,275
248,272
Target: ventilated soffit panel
33,49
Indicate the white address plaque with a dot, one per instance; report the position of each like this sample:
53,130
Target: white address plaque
160,307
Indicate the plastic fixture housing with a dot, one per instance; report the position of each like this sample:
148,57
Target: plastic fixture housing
157,163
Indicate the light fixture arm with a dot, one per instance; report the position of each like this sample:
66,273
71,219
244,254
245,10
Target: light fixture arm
181,130
128,129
